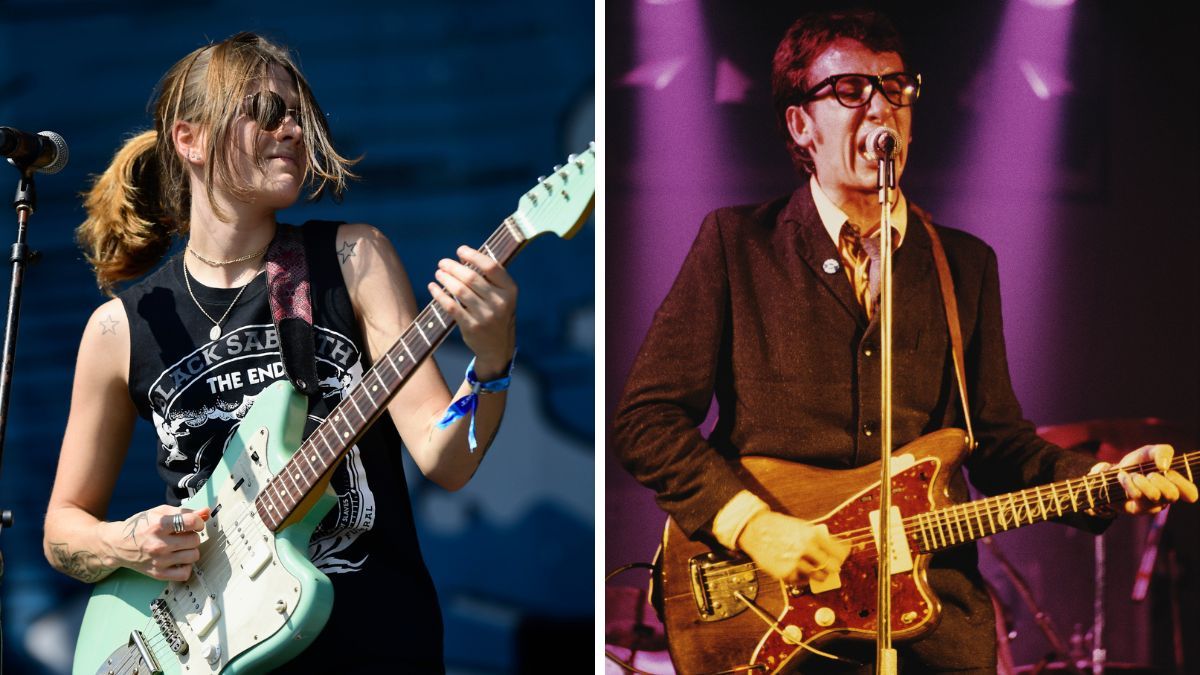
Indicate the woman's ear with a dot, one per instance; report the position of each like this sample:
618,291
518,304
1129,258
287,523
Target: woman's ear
188,142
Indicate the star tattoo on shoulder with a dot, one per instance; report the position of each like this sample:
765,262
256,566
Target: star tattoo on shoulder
109,325
347,250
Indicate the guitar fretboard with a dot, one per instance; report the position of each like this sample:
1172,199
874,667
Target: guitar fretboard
346,423
962,523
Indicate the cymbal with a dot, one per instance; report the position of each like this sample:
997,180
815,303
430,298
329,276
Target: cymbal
1112,439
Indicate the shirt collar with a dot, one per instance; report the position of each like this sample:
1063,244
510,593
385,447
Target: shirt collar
833,218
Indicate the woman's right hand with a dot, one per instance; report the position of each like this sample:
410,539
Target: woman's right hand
147,542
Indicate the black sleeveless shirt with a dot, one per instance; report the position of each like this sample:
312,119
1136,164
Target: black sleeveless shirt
195,391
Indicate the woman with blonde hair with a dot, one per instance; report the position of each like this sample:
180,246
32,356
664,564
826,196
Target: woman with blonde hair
237,136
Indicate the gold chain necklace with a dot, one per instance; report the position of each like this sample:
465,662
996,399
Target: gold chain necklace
215,331
222,263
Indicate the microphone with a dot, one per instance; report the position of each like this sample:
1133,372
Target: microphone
882,144
44,151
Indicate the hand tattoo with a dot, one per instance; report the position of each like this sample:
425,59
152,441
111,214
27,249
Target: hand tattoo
82,565
347,251
131,526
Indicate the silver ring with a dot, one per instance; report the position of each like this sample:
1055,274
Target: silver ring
177,523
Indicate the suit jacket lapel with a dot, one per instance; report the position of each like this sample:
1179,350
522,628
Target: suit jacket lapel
818,251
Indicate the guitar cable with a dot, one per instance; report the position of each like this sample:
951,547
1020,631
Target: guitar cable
774,625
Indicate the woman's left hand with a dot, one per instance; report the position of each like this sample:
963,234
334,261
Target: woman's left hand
484,304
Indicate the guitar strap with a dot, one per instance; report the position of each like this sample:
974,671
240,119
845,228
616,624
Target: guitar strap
946,282
290,296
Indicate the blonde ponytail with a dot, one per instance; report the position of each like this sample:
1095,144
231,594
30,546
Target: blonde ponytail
127,230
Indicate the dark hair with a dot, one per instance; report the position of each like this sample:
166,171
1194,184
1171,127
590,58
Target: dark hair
804,42
142,201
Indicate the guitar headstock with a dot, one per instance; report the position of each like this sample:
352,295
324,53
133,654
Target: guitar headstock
560,202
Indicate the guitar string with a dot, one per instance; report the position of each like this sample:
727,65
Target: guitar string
864,538
220,543
499,239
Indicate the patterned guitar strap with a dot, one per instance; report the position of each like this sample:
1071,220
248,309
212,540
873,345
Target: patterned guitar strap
946,283
290,296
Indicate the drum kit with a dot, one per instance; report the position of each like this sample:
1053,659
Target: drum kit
1026,624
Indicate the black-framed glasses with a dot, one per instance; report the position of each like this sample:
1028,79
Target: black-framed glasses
268,109
855,90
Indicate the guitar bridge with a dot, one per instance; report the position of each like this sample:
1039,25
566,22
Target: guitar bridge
715,582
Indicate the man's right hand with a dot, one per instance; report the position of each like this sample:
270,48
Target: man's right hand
792,549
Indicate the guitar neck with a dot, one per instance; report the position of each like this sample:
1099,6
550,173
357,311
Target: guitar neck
350,418
962,523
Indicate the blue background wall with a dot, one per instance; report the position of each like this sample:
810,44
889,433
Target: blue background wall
456,109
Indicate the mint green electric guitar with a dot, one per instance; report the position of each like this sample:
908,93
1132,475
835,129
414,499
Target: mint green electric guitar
254,600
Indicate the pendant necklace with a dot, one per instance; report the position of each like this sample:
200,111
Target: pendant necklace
215,331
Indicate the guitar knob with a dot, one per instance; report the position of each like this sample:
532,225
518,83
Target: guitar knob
281,606
824,617
211,653
793,634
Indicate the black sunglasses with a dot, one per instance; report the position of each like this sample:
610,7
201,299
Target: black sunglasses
268,109
854,90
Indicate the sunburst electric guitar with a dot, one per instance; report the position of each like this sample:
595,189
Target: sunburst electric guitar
254,600
724,615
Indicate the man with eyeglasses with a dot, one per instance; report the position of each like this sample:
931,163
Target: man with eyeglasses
773,312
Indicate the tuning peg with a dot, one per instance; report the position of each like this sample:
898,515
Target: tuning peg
557,167
571,157
541,179
592,146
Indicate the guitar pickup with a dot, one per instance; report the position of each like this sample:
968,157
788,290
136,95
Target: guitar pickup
901,555
259,557
203,622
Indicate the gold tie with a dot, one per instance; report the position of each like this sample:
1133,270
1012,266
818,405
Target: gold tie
858,266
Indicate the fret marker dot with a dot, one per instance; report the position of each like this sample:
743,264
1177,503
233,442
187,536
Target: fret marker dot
400,358
374,387
345,434
429,325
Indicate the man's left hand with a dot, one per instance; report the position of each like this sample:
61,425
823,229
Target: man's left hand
1151,492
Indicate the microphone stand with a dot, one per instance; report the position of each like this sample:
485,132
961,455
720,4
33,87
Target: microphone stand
885,654
25,203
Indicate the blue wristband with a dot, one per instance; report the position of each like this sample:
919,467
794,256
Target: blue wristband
465,406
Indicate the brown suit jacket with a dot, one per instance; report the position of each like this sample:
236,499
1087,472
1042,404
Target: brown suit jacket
759,317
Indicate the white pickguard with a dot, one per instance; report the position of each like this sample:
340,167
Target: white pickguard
239,593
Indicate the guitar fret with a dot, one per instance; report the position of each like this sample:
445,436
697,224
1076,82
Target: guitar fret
1014,514
1057,503
1041,504
921,529
939,533
437,311
1087,488
1074,495
979,520
1187,466
357,409
989,515
404,341
423,337
488,251
388,357
958,525
967,521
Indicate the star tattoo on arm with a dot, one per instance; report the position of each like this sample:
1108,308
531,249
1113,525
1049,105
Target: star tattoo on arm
109,325
346,252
